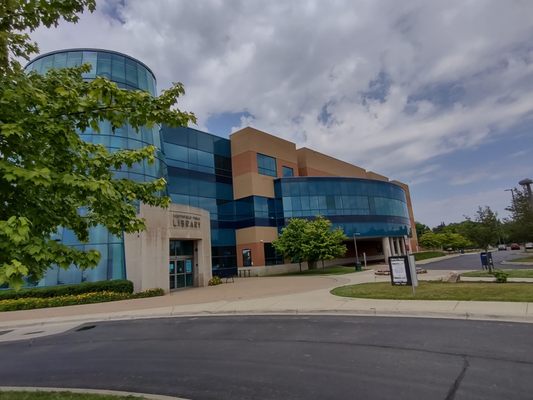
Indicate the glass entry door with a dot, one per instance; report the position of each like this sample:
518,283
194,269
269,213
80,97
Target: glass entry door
181,273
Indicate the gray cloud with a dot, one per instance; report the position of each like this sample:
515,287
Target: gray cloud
406,81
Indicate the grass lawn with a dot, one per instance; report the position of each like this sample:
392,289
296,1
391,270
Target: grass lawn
513,273
522,259
478,291
337,270
424,255
16,395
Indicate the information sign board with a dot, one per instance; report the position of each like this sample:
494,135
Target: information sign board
399,270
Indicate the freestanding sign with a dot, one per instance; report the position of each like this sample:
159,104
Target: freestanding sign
399,270
403,271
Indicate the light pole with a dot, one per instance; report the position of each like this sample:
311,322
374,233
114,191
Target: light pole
357,263
526,184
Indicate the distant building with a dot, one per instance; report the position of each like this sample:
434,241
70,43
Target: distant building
231,197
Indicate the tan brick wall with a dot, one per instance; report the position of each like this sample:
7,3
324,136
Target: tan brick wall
317,164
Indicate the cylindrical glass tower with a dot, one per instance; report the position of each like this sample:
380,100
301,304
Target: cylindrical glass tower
127,73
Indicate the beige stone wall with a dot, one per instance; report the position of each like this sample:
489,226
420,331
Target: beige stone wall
147,252
245,144
250,139
252,184
254,238
313,163
376,176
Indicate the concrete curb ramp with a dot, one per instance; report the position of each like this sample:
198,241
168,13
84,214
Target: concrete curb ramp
87,391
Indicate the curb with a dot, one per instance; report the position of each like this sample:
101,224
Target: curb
88,391
477,316
435,259
516,263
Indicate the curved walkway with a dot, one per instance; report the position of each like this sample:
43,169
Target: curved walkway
271,295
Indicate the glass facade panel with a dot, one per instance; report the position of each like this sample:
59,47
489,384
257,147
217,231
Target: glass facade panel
111,248
287,171
366,207
266,165
126,72
199,175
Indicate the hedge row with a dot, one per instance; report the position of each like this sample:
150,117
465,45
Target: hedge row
69,300
117,286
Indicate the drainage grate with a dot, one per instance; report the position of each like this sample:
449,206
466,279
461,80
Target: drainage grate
85,328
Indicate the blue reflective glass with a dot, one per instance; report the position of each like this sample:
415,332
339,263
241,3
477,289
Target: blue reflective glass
103,65
287,171
60,60
131,73
266,165
89,57
176,152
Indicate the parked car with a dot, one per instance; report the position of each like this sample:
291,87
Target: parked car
502,247
515,246
529,246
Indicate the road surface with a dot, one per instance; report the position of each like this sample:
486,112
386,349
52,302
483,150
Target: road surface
472,261
283,357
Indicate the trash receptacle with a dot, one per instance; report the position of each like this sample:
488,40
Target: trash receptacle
484,260
358,266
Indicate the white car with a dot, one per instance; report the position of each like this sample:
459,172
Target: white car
529,246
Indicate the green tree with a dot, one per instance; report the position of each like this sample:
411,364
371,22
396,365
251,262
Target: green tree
519,228
454,241
311,241
49,177
486,230
439,228
289,243
430,240
421,228
322,242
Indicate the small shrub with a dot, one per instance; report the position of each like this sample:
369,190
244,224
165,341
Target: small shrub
215,280
116,286
29,303
501,276
148,293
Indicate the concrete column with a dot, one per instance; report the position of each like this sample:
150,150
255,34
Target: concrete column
402,242
386,249
393,247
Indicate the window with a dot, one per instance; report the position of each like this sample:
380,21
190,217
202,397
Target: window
246,257
287,171
271,256
266,165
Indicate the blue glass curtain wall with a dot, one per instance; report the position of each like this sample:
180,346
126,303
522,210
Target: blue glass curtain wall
128,74
199,175
366,207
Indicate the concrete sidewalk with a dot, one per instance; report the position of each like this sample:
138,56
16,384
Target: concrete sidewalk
267,295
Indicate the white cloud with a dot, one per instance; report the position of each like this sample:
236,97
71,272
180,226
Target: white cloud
459,206
283,62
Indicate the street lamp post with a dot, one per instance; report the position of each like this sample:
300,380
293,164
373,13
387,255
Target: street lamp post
526,184
357,263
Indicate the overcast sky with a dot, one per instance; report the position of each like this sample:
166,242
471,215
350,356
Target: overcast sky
437,94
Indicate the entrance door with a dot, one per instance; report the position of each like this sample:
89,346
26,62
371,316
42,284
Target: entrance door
181,272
